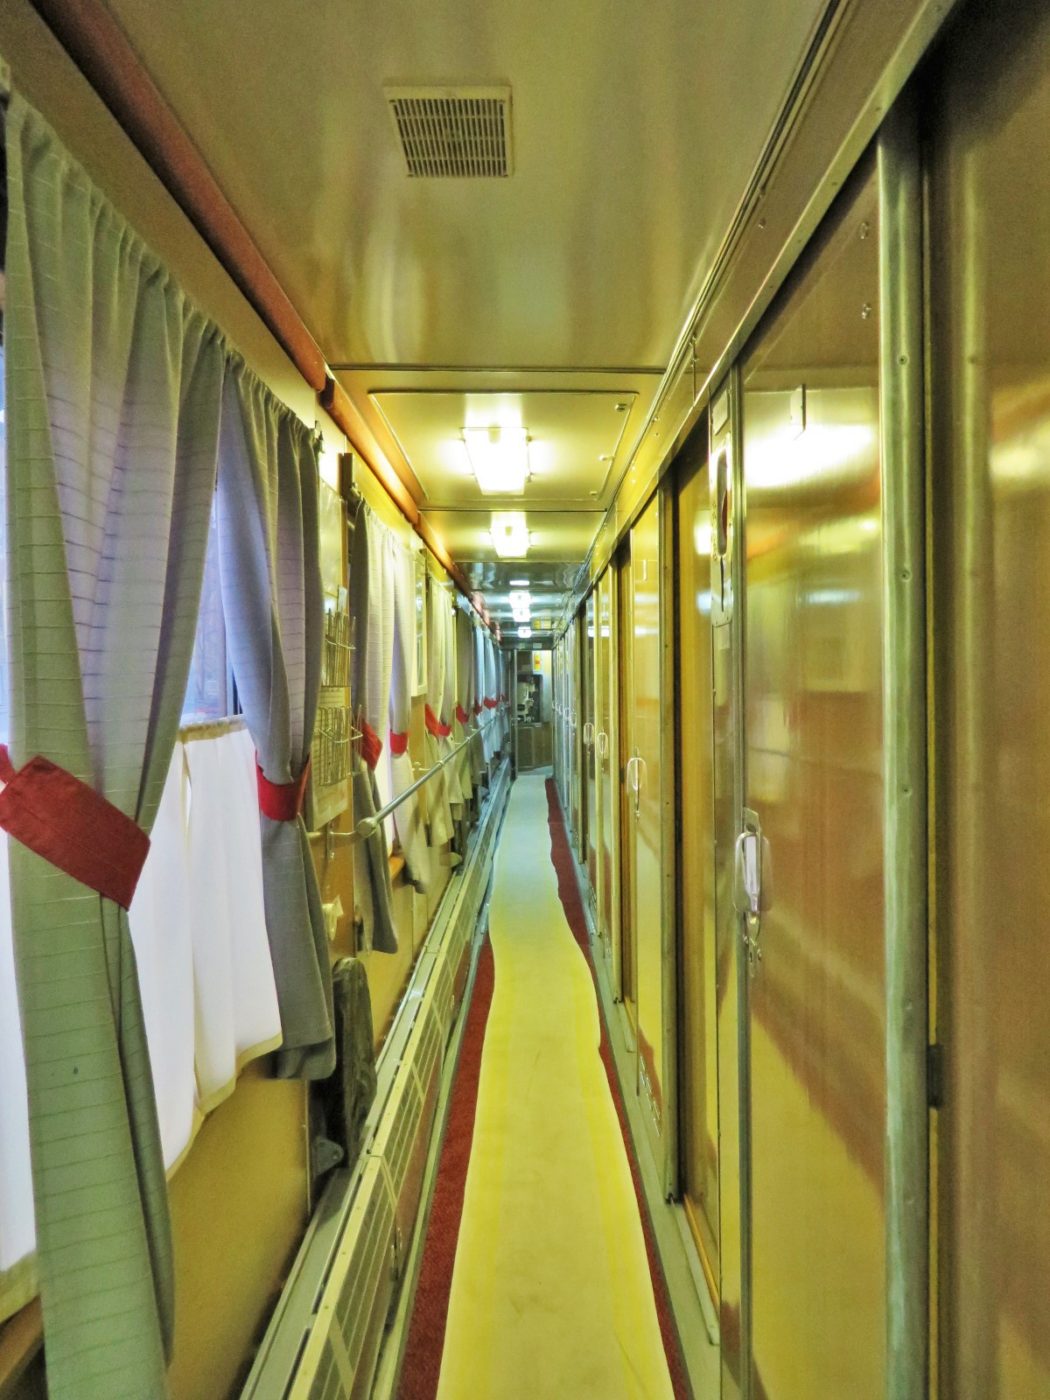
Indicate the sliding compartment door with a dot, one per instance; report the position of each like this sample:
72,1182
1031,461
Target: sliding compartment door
698,997
606,786
813,760
626,815
588,730
644,816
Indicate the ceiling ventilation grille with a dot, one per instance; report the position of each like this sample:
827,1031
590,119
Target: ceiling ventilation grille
459,132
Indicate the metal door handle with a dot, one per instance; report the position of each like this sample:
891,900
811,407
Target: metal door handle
632,776
588,735
753,866
602,743
752,885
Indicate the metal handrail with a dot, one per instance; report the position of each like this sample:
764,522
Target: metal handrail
368,826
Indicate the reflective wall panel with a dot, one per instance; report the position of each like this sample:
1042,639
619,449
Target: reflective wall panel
813,776
990,374
587,734
646,785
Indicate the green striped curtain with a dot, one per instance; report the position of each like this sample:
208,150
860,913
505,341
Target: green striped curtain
114,392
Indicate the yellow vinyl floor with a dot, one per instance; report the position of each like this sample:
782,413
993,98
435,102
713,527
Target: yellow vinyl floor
551,1292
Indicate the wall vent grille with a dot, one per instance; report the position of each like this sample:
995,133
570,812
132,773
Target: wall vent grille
462,133
429,1053
356,1291
396,1139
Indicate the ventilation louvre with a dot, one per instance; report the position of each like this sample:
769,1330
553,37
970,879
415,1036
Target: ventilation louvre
341,1346
463,133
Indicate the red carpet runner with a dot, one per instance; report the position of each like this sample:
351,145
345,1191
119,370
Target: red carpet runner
422,1364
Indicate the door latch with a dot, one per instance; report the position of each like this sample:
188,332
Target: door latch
752,885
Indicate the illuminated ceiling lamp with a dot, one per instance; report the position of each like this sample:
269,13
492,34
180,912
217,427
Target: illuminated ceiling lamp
520,606
499,459
524,631
510,534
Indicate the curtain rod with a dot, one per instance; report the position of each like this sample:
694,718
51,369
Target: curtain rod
368,826
101,50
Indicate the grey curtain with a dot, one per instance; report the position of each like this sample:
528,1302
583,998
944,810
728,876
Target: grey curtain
272,598
114,388
372,619
408,818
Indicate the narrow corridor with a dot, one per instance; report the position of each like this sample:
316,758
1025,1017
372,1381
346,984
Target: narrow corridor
551,1293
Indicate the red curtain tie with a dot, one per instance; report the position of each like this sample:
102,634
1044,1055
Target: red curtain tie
462,715
72,826
490,704
281,802
477,707
439,730
371,744
398,743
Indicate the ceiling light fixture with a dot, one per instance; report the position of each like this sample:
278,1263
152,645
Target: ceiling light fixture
524,631
499,459
510,534
519,599
519,583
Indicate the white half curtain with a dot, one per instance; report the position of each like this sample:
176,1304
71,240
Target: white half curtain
161,931
208,997
480,751
114,389
441,827
18,1282
448,701
465,722
269,558
372,618
408,818
236,1012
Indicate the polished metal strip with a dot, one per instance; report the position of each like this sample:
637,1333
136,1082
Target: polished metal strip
616,856
669,845
737,643
905,779
368,825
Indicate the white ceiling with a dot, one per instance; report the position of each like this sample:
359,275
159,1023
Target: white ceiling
573,441
635,129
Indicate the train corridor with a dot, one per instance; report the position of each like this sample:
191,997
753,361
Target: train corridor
554,1289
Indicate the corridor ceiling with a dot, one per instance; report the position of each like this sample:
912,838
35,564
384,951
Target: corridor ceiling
561,288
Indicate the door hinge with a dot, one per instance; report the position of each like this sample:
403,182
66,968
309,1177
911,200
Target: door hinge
935,1075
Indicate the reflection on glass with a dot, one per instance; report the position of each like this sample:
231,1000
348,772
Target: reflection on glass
813,745
208,688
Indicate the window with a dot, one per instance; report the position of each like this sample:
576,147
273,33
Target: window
209,690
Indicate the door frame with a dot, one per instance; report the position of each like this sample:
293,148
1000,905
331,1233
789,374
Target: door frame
910,1307
906,793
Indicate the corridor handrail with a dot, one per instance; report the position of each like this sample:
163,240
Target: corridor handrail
368,826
